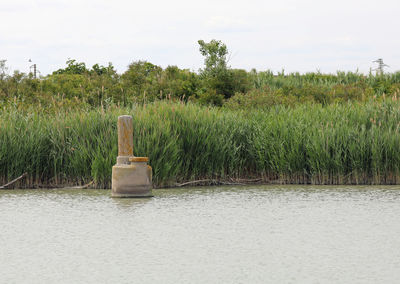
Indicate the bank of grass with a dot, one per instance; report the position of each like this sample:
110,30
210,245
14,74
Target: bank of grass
352,143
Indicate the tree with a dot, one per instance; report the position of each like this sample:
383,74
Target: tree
215,53
102,70
141,79
73,67
219,80
3,69
215,75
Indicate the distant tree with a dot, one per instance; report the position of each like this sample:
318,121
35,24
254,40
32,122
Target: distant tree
178,83
3,69
142,79
215,61
73,67
219,80
102,70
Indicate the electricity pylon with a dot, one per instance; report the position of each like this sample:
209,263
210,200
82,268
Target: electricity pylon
381,65
34,69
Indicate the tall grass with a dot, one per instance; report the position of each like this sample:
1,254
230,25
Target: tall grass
380,82
355,143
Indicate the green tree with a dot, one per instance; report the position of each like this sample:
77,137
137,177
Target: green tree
102,70
215,61
214,76
178,83
3,69
73,67
141,80
219,80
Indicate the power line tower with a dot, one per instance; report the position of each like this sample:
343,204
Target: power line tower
381,65
34,69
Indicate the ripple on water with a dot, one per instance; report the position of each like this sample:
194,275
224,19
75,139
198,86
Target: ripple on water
252,234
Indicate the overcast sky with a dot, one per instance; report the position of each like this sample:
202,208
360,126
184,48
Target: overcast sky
302,36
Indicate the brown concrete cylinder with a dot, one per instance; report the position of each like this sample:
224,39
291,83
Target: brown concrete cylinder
125,135
131,176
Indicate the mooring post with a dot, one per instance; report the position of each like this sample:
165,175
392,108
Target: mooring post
131,176
125,139
125,135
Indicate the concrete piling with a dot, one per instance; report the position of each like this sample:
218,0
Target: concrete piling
125,135
131,176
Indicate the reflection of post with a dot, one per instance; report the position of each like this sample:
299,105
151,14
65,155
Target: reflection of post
125,135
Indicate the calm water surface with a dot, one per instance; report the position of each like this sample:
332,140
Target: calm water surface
254,234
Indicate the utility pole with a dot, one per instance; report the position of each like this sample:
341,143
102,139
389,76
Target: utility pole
34,69
381,65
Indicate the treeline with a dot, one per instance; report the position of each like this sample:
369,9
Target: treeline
77,85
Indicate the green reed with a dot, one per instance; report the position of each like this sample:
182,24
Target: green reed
352,143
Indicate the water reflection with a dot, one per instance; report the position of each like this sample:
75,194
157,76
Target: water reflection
130,202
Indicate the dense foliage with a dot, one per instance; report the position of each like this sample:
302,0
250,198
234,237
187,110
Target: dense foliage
338,144
77,86
219,123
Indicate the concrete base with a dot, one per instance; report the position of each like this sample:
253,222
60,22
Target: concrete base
133,179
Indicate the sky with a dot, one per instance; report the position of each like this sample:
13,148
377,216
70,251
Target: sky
295,36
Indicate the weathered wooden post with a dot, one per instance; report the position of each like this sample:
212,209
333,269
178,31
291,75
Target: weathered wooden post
131,176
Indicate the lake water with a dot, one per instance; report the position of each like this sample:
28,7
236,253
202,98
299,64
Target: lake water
251,234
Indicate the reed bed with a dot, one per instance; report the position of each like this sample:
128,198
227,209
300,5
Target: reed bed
380,82
352,143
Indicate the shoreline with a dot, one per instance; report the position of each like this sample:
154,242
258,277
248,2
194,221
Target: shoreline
222,182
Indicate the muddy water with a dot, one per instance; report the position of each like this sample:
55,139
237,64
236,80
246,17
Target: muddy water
253,234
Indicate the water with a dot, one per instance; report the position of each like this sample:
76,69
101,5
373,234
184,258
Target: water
254,234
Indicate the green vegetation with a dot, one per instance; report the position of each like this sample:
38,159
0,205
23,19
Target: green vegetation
340,143
220,123
77,87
